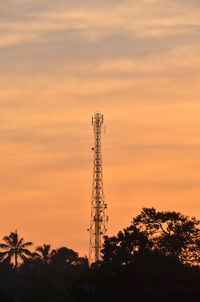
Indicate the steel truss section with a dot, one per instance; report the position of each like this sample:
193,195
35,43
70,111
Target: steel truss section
98,219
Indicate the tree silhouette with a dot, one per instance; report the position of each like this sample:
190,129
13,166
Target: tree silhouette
44,252
121,249
169,233
63,255
172,233
15,247
139,264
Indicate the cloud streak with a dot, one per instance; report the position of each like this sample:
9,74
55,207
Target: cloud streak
92,21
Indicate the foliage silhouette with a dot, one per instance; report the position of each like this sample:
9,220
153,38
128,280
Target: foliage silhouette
172,233
15,247
167,233
44,252
63,256
139,264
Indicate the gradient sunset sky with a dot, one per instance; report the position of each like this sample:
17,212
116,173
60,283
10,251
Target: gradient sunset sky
137,62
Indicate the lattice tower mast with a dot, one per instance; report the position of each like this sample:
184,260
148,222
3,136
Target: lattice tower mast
98,206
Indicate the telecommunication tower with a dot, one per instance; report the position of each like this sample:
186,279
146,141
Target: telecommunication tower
99,219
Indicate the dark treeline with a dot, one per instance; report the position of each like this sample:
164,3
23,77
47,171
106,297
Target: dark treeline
156,258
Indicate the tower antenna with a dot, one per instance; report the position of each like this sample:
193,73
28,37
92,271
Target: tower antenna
98,219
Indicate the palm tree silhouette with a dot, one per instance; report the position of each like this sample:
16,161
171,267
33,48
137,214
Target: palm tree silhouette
45,252
15,247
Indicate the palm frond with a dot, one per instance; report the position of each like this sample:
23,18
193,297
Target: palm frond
44,252
3,254
7,259
25,251
12,239
26,244
40,250
44,249
20,242
4,246
35,255
8,240
47,247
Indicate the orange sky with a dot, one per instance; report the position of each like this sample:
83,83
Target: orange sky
138,63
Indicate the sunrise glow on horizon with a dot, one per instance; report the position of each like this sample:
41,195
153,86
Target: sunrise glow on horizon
136,62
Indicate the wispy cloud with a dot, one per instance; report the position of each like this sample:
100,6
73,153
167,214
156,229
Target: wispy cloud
94,21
